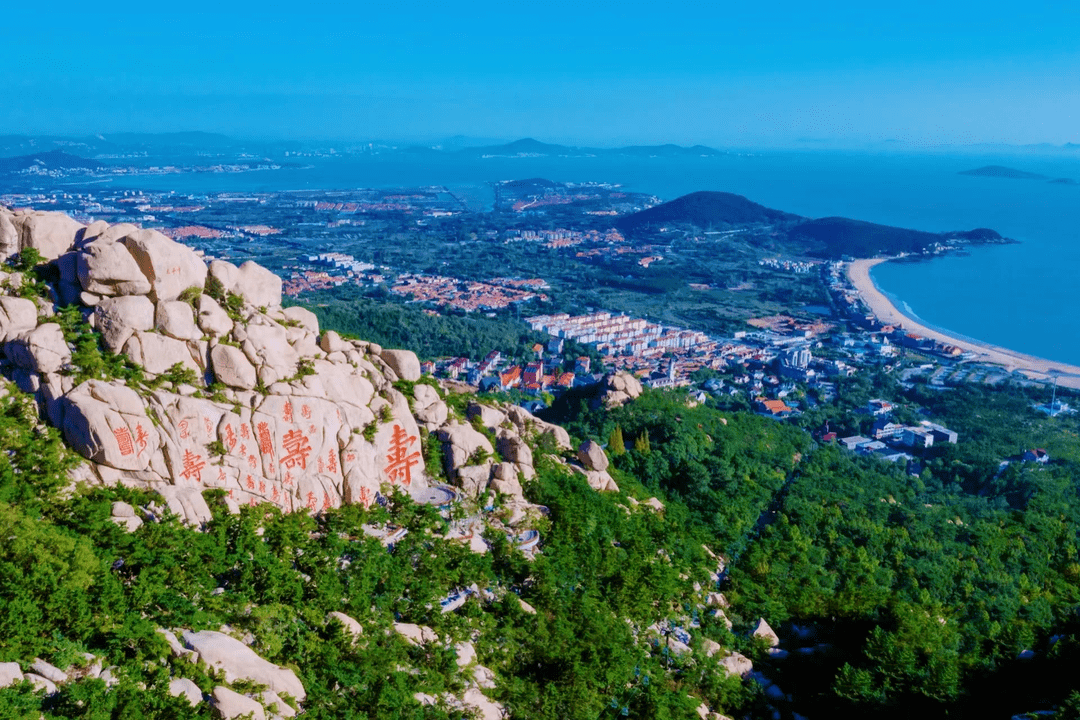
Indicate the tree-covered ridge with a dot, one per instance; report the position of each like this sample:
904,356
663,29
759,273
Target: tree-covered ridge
74,582
897,594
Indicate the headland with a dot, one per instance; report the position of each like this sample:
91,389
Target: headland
888,314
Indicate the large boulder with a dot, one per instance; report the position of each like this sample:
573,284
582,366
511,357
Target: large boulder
403,362
462,442
9,237
182,687
737,664
257,285
118,318
174,318
230,704
10,674
232,367
17,315
170,267
50,233
766,633
41,350
213,320
108,424
592,456
157,353
239,662
267,347
107,268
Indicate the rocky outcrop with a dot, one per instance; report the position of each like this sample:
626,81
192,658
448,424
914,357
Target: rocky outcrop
228,704
239,662
619,388
404,363
592,456
765,633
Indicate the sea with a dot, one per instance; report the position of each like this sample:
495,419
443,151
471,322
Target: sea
1023,296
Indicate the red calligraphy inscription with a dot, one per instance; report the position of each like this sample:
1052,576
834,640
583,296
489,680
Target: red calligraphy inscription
305,411
312,502
123,440
266,443
296,450
141,437
193,466
262,486
275,495
221,474
184,433
286,415
325,500
252,462
331,461
365,497
250,482
209,426
400,461
244,433
230,437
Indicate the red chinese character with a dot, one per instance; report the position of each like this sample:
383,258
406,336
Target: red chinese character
140,437
184,434
232,492
250,482
331,461
266,443
350,457
193,465
251,502
365,497
275,495
243,449
244,433
312,502
311,428
230,437
305,411
400,460
288,478
296,450
287,414
262,486
123,440
325,500
320,464
209,426
252,462
221,474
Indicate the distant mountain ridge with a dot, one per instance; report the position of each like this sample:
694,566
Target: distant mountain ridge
1000,171
51,160
831,237
530,146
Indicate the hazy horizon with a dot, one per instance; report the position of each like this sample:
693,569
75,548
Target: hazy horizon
604,74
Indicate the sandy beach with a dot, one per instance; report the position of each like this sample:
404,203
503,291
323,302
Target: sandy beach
888,314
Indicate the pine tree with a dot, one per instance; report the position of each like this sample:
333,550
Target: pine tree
615,445
642,443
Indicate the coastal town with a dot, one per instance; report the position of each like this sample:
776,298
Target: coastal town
780,365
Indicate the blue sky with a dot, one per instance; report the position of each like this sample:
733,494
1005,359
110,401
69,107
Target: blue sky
720,73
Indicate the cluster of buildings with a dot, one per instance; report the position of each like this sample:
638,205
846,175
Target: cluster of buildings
892,441
561,237
494,373
466,295
799,267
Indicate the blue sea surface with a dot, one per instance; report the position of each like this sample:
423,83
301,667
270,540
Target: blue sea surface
1021,296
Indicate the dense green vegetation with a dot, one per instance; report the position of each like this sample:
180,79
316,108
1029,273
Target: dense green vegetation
73,582
408,326
919,592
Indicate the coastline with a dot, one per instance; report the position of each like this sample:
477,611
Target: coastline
858,273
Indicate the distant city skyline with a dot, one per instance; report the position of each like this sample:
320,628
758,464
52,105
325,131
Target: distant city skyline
607,74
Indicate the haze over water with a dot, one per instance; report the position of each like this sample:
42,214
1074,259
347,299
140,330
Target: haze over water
1018,296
